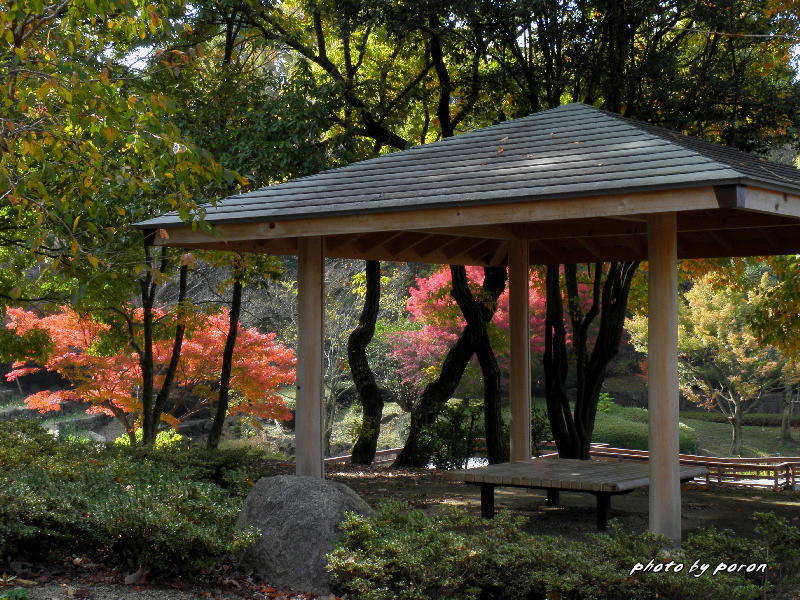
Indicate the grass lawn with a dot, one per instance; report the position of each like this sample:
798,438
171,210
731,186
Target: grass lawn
625,427
715,439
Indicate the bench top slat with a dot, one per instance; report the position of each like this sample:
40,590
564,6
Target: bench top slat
567,474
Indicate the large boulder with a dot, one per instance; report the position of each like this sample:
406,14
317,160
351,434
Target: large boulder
299,522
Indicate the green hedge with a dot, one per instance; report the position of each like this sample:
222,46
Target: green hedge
754,419
158,510
403,554
626,427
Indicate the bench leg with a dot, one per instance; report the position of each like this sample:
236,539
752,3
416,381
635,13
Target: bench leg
487,500
603,510
553,497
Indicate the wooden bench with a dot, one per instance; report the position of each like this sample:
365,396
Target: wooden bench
603,479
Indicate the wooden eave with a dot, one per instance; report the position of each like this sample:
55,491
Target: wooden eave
712,222
575,181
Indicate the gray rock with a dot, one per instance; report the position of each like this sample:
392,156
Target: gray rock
299,522
9,413
194,427
83,424
95,437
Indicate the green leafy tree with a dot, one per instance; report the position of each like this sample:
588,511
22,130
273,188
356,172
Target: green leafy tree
721,363
773,318
85,151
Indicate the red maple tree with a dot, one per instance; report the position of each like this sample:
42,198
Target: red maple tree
439,321
108,383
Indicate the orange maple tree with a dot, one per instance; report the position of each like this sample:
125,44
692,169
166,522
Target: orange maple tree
108,383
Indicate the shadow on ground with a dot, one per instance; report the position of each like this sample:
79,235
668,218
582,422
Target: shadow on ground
718,506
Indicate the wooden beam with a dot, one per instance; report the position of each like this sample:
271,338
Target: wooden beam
399,243
765,235
281,246
665,488
772,202
520,346
335,242
500,255
429,244
782,238
310,332
434,256
455,216
634,225
462,246
369,241
590,247
483,252
497,232
543,255
720,240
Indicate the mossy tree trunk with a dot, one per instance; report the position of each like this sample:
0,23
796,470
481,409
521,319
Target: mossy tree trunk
369,394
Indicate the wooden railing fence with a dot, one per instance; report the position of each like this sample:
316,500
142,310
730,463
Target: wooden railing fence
773,472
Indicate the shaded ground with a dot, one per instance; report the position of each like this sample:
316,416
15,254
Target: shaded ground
721,507
718,506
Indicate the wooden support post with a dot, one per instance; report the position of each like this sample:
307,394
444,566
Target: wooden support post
520,346
487,500
603,510
308,408
553,497
665,488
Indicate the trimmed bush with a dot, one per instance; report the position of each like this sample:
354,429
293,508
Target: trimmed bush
118,504
404,554
627,428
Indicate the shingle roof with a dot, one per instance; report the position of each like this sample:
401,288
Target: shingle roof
569,151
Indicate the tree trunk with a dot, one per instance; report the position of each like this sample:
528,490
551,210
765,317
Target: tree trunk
556,368
736,426
146,365
437,392
369,394
147,287
572,431
329,404
227,362
478,315
786,419
172,368
430,403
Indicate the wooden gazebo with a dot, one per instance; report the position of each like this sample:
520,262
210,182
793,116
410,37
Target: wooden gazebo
567,185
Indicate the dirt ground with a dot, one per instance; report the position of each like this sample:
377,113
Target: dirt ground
721,507
724,507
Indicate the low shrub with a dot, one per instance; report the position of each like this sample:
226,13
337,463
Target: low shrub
453,438
166,439
540,430
125,506
404,554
